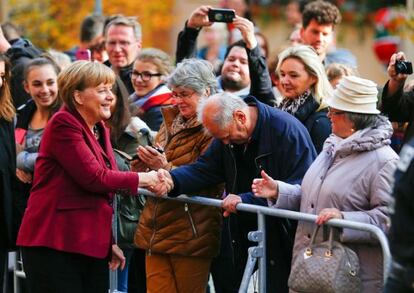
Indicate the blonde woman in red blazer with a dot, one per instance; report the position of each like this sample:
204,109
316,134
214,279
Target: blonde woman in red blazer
66,229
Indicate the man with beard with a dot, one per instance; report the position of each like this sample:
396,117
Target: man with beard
244,71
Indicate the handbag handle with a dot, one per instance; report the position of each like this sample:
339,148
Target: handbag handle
328,253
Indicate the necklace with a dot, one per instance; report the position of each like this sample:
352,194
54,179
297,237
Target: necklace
96,132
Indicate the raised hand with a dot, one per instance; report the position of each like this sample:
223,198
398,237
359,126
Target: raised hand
199,17
326,214
265,187
117,258
392,73
230,204
152,158
246,28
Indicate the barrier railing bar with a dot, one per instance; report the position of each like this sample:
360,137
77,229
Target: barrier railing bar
294,216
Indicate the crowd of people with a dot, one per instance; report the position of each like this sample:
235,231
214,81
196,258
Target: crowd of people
300,130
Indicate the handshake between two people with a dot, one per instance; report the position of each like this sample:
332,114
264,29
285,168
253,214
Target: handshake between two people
158,182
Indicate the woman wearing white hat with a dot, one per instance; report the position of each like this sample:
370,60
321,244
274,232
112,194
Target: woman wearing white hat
350,179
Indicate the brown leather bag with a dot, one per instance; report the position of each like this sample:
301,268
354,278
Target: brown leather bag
328,267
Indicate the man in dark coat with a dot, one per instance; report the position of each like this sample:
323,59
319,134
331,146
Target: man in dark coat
397,103
401,236
249,137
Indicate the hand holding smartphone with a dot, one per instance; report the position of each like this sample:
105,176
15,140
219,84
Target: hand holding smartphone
221,15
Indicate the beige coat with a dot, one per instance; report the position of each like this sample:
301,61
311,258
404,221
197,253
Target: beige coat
353,175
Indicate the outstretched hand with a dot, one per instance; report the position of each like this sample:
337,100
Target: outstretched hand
165,183
265,187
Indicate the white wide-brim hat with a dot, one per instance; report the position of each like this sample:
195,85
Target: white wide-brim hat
356,95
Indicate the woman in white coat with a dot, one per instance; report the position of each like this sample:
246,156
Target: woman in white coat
350,179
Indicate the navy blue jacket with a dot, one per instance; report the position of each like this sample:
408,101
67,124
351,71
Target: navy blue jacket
316,122
285,153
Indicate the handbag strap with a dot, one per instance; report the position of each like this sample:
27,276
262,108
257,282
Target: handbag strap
328,252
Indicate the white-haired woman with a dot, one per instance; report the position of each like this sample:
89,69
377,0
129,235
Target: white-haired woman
350,179
180,239
304,87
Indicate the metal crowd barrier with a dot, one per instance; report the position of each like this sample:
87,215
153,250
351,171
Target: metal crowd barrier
255,253
259,236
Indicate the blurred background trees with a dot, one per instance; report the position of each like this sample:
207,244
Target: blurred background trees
55,23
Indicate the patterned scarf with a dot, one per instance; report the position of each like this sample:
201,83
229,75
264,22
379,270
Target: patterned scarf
179,123
292,105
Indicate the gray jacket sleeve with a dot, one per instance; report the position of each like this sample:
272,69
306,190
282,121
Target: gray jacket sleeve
289,197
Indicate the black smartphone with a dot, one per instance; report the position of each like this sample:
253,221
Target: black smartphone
161,151
404,67
221,15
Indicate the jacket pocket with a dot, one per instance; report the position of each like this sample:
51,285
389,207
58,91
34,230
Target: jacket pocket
75,203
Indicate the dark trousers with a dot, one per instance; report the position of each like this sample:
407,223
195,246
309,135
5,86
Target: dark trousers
52,271
225,278
228,267
3,267
137,282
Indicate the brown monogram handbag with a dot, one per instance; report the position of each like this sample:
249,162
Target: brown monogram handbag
326,267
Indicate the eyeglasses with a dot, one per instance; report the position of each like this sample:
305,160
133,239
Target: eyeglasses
145,76
182,95
122,44
331,112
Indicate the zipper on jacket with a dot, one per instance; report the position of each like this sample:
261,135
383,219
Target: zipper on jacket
187,210
154,216
235,169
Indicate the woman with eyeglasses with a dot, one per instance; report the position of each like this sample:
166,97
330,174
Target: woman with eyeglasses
148,75
180,239
304,88
350,179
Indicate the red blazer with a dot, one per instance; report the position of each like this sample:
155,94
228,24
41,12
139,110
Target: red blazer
69,208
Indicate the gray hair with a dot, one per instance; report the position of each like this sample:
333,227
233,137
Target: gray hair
313,66
362,121
157,57
195,74
226,104
129,21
